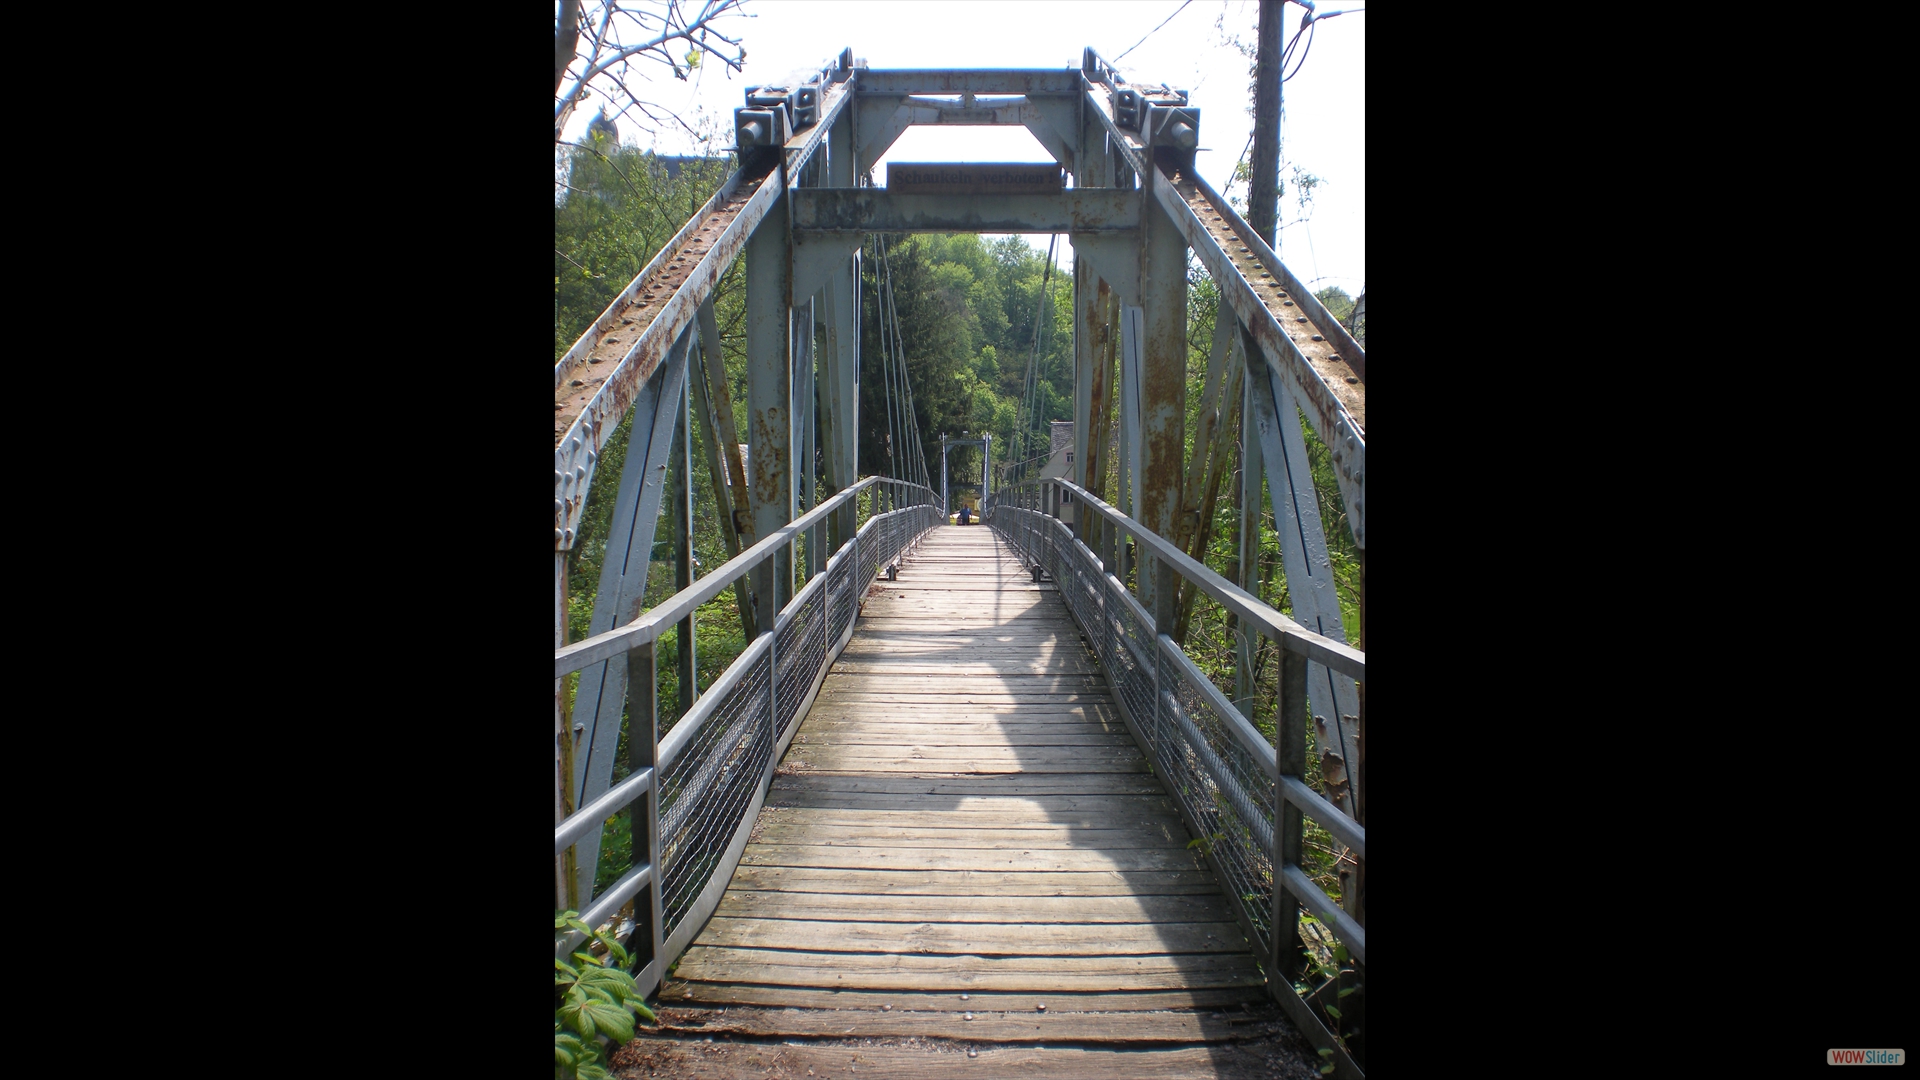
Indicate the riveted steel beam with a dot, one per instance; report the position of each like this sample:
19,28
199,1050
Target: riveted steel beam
1163,395
601,698
969,81
1328,375
662,302
770,401
1303,557
865,210
884,118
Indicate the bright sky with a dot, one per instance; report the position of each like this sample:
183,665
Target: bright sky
1323,130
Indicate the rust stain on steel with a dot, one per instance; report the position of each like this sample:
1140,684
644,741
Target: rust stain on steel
1098,334
1263,286
584,416
770,468
634,355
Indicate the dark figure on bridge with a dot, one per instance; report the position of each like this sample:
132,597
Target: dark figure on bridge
966,515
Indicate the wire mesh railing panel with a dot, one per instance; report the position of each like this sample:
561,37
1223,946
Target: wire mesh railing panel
839,597
802,650
1128,648
707,789
1226,791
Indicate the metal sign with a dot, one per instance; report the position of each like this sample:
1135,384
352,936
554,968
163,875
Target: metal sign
975,178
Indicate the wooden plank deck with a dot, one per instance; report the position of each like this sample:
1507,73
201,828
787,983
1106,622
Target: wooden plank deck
964,850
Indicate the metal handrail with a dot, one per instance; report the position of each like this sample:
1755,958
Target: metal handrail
885,536
1045,540
1337,655
648,627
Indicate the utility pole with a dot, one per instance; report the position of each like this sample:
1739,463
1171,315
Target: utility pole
1263,198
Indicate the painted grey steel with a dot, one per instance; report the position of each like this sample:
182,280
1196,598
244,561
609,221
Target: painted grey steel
599,810
864,210
687,649
576,356
770,401
601,696
1249,569
1326,406
604,907
704,829
802,147
1231,786
658,620
1350,933
963,81
804,409
1303,556
1131,336
578,449
1048,118
1288,633
1162,445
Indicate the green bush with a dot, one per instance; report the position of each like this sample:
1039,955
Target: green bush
592,1000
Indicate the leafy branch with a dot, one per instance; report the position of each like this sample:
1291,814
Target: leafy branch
593,1003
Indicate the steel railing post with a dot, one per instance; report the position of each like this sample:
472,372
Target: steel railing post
1290,749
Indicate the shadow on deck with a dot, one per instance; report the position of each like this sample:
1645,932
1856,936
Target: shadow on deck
965,864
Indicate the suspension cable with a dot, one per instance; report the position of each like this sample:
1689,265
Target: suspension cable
886,366
1030,391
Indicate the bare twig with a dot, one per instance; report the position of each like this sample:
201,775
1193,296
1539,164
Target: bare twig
674,25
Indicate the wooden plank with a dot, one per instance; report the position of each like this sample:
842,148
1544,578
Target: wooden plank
906,881
948,726
975,938
977,668
931,1060
996,785
891,748
972,835
925,710
1065,1004
754,904
1024,1024
985,696
1041,860
1057,804
927,1060
963,809
1004,740
867,971
1037,758
1065,811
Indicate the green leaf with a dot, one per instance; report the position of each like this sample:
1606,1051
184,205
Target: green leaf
562,1056
569,1040
645,1013
1325,1070
587,959
1347,991
565,968
1331,1011
611,1020
594,1072
574,1015
580,927
560,920
1326,1053
1340,953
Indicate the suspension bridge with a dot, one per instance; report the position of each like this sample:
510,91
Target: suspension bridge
964,803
